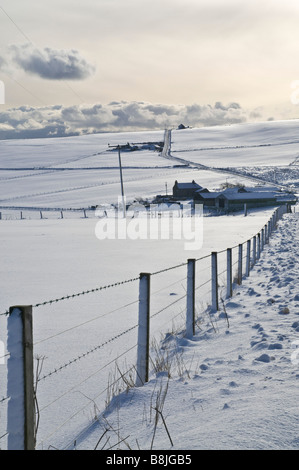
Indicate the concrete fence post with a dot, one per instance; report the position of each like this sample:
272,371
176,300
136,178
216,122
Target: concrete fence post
215,302
229,273
190,317
248,257
20,380
240,263
143,330
259,245
263,239
254,251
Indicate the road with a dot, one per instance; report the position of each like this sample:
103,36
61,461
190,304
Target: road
166,153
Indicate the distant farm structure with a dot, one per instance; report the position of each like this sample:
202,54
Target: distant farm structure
232,198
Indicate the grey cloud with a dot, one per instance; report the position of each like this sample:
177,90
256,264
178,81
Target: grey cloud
51,64
57,121
2,62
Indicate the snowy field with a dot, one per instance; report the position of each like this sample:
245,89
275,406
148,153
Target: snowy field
266,144
48,259
235,384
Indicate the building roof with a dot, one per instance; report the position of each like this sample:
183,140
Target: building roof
208,195
262,188
248,196
192,185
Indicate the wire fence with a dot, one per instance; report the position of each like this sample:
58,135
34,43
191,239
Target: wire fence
85,359
34,214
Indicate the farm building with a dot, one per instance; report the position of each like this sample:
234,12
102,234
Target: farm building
186,190
236,201
233,199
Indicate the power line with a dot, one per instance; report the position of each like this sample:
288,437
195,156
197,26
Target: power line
24,88
31,42
18,28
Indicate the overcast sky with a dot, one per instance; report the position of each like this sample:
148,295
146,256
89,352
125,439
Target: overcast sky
162,56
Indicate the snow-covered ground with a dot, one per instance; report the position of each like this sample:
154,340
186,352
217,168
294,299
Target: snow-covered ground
255,144
234,385
81,337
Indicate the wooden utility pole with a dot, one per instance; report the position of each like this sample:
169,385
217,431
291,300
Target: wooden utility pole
121,183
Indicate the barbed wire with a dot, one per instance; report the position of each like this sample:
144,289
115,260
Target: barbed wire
86,322
101,393
87,378
4,313
5,355
167,306
169,269
2,400
93,399
203,284
97,289
83,355
90,291
203,257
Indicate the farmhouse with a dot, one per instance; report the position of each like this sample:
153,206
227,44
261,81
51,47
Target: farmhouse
185,190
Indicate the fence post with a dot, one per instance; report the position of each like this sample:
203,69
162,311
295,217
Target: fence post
229,273
190,318
269,229
248,257
254,251
240,264
215,303
263,239
143,330
258,245
20,380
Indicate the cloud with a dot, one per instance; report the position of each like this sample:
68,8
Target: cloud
50,63
58,121
2,62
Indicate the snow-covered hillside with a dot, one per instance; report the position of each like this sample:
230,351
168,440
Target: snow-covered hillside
82,337
235,384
